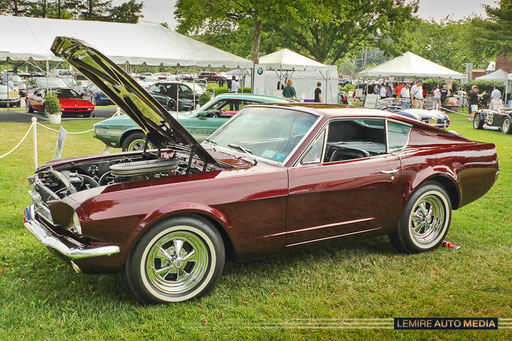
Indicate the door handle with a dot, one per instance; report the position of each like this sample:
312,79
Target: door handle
391,171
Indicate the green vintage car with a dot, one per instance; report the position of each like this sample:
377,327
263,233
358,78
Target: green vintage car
121,131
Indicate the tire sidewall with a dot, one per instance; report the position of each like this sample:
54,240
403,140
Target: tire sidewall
476,121
136,264
404,232
509,126
130,139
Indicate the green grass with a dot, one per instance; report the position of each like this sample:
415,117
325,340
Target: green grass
42,298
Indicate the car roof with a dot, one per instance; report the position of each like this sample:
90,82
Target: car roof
338,110
262,98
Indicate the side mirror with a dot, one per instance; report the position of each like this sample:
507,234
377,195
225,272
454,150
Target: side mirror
203,115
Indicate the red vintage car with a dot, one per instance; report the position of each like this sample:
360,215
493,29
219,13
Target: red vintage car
70,102
274,178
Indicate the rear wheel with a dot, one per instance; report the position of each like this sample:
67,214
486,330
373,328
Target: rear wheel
425,221
477,122
177,260
506,126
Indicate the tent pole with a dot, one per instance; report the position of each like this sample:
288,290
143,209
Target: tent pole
194,82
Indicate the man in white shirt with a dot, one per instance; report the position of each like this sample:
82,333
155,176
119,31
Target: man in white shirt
417,95
495,98
235,86
382,91
405,96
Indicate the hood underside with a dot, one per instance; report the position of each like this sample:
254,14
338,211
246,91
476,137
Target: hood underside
161,128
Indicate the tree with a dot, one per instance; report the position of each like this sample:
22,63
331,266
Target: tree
211,16
334,28
17,7
95,9
492,35
128,12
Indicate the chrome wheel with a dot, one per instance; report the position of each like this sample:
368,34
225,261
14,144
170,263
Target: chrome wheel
428,219
177,262
476,122
505,128
137,144
178,259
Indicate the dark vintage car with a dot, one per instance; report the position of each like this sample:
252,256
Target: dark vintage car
274,178
71,103
436,118
501,119
168,93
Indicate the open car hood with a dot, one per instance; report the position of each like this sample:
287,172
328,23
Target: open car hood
161,128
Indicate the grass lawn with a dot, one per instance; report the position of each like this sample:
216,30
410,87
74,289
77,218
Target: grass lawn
41,297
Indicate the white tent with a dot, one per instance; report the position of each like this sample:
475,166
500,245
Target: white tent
411,65
498,76
275,68
27,39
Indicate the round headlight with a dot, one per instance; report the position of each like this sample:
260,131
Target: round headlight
76,224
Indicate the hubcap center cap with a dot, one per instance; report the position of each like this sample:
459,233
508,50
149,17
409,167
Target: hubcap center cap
177,263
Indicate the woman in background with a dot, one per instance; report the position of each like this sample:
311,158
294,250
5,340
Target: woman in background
289,90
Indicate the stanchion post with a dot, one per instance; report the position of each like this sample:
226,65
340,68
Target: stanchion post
34,130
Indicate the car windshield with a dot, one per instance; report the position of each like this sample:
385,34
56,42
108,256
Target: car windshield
52,83
15,78
269,133
65,93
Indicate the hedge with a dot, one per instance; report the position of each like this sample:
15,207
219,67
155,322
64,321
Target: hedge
485,86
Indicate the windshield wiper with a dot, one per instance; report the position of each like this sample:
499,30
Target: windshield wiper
237,146
245,150
211,141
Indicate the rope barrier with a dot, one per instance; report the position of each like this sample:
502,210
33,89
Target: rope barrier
23,139
454,112
69,132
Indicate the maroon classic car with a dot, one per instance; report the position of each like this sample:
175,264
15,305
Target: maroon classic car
274,178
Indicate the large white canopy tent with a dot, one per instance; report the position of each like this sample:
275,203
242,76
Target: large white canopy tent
498,76
29,39
411,65
274,69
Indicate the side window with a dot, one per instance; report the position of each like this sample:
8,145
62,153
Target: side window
355,139
398,135
154,88
314,154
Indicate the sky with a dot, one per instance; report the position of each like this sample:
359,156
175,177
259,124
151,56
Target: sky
160,11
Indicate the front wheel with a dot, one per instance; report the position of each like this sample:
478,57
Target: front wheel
29,108
177,260
477,122
425,221
506,126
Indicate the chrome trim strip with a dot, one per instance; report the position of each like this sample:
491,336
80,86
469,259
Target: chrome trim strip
333,237
320,227
48,239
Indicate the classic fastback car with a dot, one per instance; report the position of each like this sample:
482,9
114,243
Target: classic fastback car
274,178
122,131
501,119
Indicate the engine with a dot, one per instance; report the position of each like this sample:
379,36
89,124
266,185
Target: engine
54,184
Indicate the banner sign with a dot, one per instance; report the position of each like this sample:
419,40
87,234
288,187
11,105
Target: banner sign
60,143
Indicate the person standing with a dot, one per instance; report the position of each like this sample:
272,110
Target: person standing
318,92
405,96
417,95
11,84
445,92
235,86
289,90
437,98
382,92
474,100
398,90
495,98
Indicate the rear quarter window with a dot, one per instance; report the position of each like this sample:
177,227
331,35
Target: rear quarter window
398,135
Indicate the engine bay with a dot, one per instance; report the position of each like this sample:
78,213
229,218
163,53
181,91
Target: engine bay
57,182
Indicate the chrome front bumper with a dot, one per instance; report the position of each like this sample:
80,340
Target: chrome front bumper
51,241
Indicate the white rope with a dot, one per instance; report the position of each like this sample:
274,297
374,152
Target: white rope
23,139
454,112
69,132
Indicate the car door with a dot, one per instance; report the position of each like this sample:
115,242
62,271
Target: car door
38,100
160,93
350,187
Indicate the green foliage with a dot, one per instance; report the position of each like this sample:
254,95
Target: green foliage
51,103
128,12
431,83
204,98
348,87
493,33
484,86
